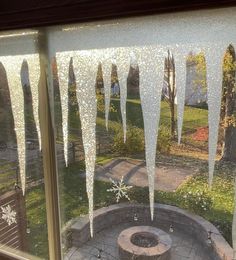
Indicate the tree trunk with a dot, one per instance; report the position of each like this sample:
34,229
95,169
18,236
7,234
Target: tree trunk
229,151
229,147
172,111
170,79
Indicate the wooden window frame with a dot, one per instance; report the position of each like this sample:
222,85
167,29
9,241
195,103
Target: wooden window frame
17,14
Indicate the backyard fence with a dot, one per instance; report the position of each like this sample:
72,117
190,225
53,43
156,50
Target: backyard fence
103,146
9,171
13,226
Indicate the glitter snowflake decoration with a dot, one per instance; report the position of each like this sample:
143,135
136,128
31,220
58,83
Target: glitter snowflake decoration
120,189
8,215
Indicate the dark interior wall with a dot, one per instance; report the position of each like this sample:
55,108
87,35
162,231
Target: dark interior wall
16,14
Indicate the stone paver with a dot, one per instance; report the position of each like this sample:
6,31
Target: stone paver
104,245
135,174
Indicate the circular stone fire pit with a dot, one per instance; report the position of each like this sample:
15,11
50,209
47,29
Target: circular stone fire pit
144,243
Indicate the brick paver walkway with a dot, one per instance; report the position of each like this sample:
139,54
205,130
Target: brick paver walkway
168,178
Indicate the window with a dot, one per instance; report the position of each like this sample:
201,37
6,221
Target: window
127,113
22,203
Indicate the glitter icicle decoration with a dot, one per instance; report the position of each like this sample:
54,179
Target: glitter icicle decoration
34,75
63,73
12,66
151,68
123,65
106,72
85,68
180,81
214,58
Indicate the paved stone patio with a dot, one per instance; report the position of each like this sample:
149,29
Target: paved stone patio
135,174
104,244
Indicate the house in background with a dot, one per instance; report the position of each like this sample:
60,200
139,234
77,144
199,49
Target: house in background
195,92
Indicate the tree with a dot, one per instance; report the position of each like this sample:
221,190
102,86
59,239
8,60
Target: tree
228,105
133,82
196,64
170,88
228,100
99,85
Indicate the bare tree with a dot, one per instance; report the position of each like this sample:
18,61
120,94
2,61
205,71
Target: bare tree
169,92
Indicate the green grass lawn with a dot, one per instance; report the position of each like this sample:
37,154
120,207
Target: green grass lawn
37,224
193,117
7,176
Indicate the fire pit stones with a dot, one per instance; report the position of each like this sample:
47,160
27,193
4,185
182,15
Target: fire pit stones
144,243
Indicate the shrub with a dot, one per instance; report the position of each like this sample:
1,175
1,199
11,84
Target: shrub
134,141
164,140
140,195
197,201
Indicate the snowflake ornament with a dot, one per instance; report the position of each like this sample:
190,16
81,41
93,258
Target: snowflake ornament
8,215
120,189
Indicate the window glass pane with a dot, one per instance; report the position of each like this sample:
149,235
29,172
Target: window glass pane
138,105
22,200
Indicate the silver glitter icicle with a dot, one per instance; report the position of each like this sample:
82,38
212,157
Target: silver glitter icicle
63,73
214,58
151,67
34,75
12,66
106,69
85,68
180,81
123,65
